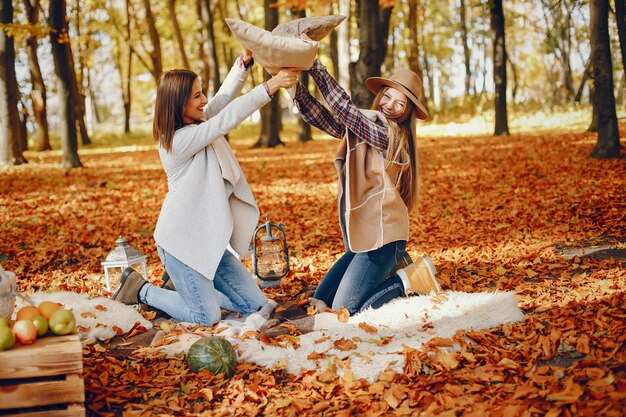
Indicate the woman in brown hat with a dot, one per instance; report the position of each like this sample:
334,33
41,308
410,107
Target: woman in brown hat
378,186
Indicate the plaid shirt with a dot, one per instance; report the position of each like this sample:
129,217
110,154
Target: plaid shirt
343,114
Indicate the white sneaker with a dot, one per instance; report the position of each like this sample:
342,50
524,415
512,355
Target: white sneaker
421,277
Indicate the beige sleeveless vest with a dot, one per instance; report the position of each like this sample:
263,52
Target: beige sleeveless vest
371,210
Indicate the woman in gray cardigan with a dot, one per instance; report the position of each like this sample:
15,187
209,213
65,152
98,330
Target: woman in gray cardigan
209,212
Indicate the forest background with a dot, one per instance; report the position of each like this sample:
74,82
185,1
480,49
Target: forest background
86,71
511,199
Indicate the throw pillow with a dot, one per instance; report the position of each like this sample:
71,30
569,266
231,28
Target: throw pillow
290,44
316,28
274,51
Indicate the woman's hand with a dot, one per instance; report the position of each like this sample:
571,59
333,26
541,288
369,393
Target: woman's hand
247,56
286,77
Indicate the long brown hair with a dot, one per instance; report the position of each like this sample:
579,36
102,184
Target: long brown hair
172,93
402,151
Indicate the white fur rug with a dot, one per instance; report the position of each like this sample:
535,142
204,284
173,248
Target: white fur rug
96,318
375,339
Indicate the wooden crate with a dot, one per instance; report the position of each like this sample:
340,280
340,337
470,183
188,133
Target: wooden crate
43,379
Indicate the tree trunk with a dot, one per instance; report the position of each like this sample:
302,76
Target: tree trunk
155,52
566,30
270,114
607,145
466,49
558,22
483,89
38,93
373,23
427,79
23,113
593,126
80,116
126,89
514,73
334,52
620,18
562,20
77,92
343,46
10,138
94,107
203,57
227,51
389,63
304,129
587,74
171,4
499,66
208,18
414,57
125,83
66,80
124,65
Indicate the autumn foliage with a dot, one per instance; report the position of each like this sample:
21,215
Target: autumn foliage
517,213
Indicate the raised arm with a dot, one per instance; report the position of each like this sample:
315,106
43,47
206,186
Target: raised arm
346,111
315,114
192,138
230,88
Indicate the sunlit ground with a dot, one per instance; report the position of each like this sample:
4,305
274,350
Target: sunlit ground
576,119
540,122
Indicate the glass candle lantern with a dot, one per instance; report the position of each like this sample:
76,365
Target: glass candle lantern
270,257
119,259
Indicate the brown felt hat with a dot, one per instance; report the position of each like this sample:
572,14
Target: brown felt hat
408,83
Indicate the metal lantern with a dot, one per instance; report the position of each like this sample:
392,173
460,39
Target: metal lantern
8,289
118,260
8,292
270,257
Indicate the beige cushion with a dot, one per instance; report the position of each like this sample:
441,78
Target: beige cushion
316,28
271,51
290,44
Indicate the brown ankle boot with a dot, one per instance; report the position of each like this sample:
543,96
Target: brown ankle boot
130,283
421,276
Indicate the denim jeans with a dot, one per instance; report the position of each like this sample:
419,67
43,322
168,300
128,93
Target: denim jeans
358,280
198,299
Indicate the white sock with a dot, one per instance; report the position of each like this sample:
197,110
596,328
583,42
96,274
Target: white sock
255,320
404,278
266,310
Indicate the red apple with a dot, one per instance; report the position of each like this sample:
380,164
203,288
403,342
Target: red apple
62,322
25,332
7,338
27,312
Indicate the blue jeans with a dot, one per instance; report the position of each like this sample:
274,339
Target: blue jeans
358,280
198,299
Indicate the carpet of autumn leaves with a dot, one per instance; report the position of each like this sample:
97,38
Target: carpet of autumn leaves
512,213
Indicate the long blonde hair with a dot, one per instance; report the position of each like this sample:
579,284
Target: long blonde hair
402,152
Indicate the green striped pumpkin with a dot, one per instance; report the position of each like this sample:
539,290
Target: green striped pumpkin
214,354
